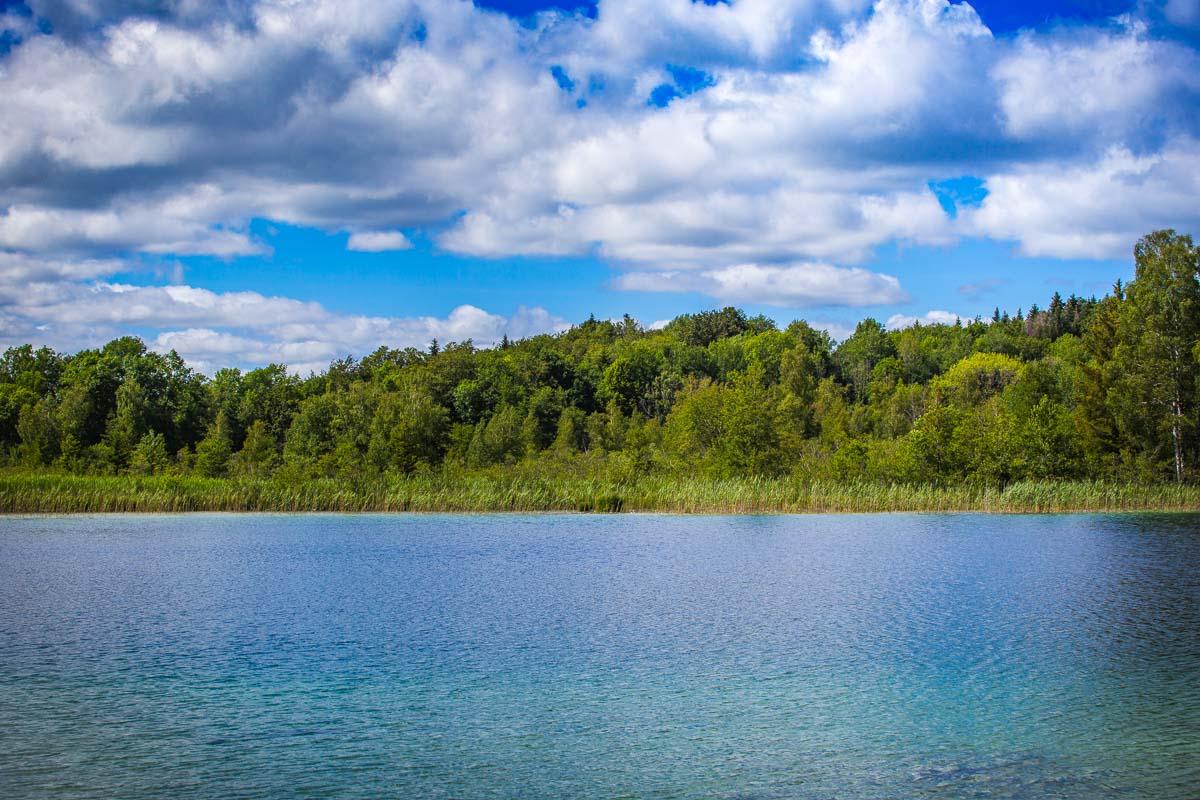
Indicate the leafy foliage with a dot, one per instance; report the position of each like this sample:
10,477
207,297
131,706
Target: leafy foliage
1085,389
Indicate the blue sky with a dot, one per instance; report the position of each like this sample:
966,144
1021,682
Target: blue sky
256,180
1001,16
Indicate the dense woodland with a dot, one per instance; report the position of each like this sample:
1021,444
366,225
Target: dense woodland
1100,389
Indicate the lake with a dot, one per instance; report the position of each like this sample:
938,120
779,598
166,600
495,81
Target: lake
855,656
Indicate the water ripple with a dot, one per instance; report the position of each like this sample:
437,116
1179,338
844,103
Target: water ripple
892,656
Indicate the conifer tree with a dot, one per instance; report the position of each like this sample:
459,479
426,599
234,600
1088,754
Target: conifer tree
214,450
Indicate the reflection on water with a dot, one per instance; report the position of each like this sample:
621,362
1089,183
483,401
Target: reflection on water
928,656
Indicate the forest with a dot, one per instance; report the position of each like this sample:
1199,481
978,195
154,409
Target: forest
1081,389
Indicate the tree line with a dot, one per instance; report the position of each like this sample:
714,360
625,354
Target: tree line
1084,388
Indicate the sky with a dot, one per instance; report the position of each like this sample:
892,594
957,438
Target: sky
256,181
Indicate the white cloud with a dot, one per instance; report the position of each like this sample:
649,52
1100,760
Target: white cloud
141,130
792,286
657,31
936,317
323,115
378,241
214,329
761,167
177,226
20,269
1097,83
1092,210
697,231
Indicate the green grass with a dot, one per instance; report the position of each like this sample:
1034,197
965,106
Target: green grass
495,491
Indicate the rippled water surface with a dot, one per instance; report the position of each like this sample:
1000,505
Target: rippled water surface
919,656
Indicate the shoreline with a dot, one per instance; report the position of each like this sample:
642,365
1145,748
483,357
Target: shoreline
1076,512
493,493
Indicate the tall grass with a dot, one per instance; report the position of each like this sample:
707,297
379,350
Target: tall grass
497,491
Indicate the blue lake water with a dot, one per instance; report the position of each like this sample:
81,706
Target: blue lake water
889,656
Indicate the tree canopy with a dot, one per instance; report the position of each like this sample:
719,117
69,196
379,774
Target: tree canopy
1085,388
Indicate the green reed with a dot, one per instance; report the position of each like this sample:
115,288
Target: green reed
521,491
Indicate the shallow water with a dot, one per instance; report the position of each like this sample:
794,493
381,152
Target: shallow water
890,656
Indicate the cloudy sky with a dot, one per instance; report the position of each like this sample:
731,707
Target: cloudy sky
252,181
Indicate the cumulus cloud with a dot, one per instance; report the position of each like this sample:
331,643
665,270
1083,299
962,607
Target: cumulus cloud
20,269
378,241
376,117
1096,83
817,163
1093,209
122,228
308,345
791,286
214,329
136,130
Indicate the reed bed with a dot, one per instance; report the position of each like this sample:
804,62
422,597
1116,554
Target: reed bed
500,492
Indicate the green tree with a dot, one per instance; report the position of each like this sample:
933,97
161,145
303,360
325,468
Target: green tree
1100,435
128,423
571,434
150,457
259,455
214,450
1156,354
851,461
935,447
750,443
709,326
271,395
183,409
499,440
630,376
1048,443
857,356
26,375
408,430
541,420
39,431
311,439
831,414
730,430
975,379
13,397
694,427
